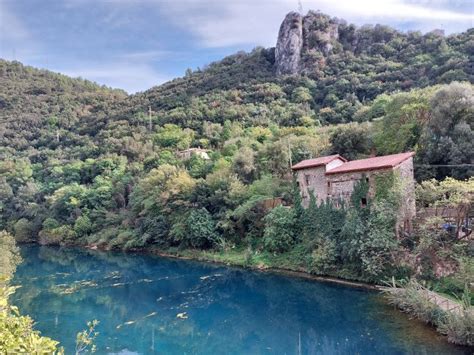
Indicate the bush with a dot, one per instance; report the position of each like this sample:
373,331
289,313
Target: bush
83,226
200,229
9,256
457,326
16,332
23,230
324,257
279,235
55,234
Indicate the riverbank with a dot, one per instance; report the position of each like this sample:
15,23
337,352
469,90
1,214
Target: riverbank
452,319
263,262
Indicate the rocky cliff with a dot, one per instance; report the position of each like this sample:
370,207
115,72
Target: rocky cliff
289,45
304,38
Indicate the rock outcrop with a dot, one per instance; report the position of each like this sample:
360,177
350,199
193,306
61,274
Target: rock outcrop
300,37
289,45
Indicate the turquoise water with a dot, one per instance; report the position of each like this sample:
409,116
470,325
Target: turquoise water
226,310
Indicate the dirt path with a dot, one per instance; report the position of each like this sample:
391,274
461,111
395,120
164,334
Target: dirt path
442,302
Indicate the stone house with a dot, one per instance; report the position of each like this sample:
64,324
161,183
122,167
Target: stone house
333,177
188,153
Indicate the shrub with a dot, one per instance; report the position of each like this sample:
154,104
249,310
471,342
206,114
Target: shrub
458,326
23,230
83,226
279,233
197,231
16,332
55,234
9,255
324,257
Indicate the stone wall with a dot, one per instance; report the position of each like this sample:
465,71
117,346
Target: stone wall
314,179
340,186
408,208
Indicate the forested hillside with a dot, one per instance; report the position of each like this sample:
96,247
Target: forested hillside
88,165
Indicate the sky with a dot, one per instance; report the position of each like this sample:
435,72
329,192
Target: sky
137,44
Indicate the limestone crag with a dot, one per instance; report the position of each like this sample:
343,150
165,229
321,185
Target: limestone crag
300,37
289,45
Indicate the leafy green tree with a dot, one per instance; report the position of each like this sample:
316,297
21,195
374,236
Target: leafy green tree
279,234
83,226
24,230
244,164
352,142
171,135
404,115
380,246
302,95
9,256
16,331
200,229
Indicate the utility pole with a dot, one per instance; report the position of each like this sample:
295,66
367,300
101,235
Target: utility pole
149,118
289,153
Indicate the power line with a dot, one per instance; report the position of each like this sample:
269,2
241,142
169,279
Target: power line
446,165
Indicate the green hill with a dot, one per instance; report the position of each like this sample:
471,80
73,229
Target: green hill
85,164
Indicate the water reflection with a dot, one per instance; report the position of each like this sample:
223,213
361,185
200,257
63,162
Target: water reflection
156,305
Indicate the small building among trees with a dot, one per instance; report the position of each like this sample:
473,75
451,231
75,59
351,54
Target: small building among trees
188,153
334,177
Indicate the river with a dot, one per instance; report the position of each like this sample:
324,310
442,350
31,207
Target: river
148,304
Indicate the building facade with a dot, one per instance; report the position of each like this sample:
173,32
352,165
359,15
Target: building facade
188,153
333,177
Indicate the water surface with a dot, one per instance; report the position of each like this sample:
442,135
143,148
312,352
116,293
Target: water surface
223,310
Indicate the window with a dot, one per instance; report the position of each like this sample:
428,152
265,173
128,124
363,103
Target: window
306,177
363,202
367,180
329,184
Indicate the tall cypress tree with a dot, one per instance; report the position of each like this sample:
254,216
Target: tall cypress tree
299,210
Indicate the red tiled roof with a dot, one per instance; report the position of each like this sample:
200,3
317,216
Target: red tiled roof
387,161
311,163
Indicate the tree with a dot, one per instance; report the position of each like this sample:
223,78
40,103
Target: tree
244,165
173,136
200,229
24,230
352,142
279,233
9,256
449,194
379,247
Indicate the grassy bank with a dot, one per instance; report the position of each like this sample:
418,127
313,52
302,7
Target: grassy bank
457,323
293,263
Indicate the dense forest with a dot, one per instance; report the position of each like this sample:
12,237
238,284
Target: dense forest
83,164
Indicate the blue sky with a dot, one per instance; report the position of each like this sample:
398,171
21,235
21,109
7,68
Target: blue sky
136,44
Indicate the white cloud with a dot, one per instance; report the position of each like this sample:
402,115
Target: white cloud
147,55
126,76
238,22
